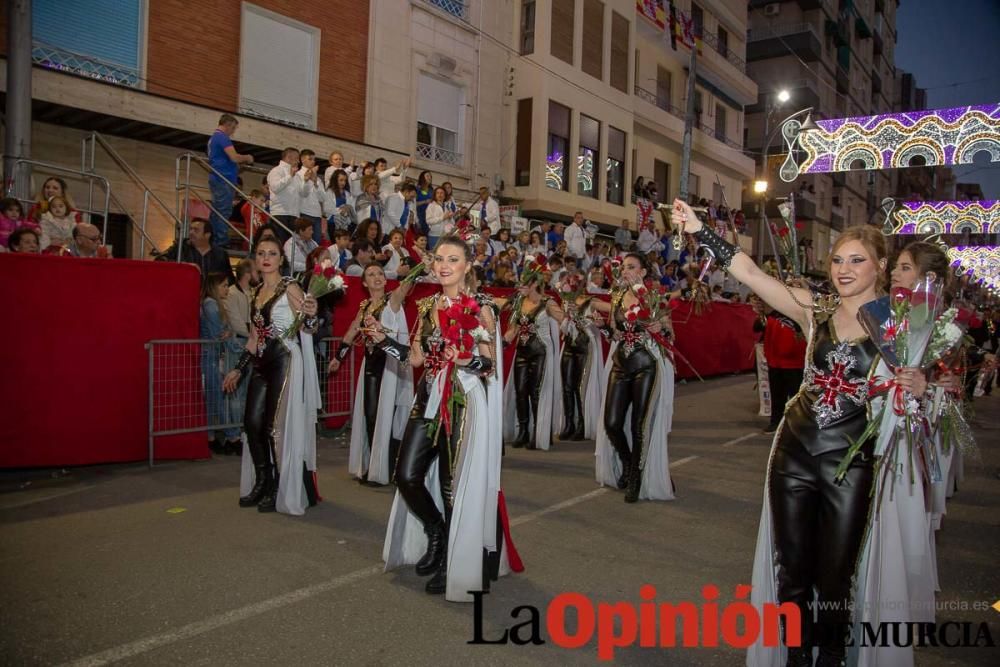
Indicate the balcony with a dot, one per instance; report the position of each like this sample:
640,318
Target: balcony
861,28
876,83
723,50
804,93
442,155
658,102
880,6
877,44
710,131
776,40
843,81
838,30
837,218
839,179
457,8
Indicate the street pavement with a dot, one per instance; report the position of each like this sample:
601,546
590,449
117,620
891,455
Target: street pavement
160,567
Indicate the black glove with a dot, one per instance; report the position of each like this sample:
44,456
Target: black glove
395,350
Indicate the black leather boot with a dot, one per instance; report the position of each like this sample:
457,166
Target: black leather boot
436,545
257,492
827,659
522,438
437,584
268,501
569,423
634,482
799,656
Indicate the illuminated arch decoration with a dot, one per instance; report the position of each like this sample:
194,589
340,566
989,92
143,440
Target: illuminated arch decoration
889,141
946,217
980,263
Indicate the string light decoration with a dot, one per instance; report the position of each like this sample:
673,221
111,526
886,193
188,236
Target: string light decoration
980,263
891,141
946,217
554,171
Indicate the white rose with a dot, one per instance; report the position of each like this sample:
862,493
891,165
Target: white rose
952,332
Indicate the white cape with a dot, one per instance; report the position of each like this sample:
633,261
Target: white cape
550,395
395,398
295,432
656,482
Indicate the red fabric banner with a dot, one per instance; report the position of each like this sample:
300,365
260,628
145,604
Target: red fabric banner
719,341
75,365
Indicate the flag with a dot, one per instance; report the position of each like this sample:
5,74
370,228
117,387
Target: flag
673,25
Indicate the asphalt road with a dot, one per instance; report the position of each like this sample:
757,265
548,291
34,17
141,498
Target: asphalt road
123,564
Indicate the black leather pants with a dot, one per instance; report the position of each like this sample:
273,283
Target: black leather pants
819,526
417,453
784,383
630,384
372,387
573,363
529,371
264,393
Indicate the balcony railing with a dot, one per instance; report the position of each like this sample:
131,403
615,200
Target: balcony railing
781,30
457,8
724,51
60,59
647,96
443,155
710,131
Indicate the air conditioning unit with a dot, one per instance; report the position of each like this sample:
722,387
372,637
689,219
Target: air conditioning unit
443,64
772,9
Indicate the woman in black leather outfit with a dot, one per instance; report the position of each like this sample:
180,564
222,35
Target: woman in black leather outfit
576,365
534,372
277,359
818,524
364,444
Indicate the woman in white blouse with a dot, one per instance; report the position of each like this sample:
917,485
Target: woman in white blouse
397,258
439,220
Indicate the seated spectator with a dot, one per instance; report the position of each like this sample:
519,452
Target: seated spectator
369,230
503,275
24,240
649,240
480,252
363,256
53,187
418,251
536,245
397,259
500,241
86,242
669,278
596,281
555,234
57,224
556,267
11,218
300,245
717,295
340,251
523,241
197,249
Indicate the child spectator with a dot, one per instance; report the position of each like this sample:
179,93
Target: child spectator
57,224
12,218
253,217
52,187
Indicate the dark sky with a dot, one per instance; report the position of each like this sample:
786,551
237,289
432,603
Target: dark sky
951,47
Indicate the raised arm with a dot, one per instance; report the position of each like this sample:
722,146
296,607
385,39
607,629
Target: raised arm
555,311
398,296
793,302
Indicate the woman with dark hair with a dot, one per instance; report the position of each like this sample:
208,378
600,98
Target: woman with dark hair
368,230
637,411
53,187
368,206
813,525
581,361
385,386
340,204
532,401
639,188
447,476
439,221
214,326
425,193
283,394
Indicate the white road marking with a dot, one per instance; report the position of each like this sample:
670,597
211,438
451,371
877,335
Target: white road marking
41,497
732,442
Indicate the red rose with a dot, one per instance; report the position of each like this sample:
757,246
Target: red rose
318,270
783,232
900,294
329,272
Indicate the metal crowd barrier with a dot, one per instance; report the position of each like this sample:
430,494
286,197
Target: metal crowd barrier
185,387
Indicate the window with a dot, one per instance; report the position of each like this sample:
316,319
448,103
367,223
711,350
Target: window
619,52
588,157
663,83
439,120
269,88
563,20
556,163
723,42
616,166
720,122
527,27
522,153
101,39
697,19
661,176
694,185
593,38
697,106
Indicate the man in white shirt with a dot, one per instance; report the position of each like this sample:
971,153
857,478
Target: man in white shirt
576,239
399,207
388,178
489,210
312,193
285,191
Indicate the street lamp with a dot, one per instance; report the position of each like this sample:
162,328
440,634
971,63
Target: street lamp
760,187
784,96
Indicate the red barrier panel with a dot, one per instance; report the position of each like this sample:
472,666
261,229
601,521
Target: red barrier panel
718,341
74,364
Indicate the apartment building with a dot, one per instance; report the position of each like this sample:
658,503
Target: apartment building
597,98
154,77
836,57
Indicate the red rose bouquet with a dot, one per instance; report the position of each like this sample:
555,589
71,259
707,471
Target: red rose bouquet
324,279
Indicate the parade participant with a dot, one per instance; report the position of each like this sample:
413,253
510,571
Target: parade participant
448,471
812,526
637,411
385,386
532,402
283,394
582,361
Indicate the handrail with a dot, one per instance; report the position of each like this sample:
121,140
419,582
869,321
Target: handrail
94,139
67,170
188,188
